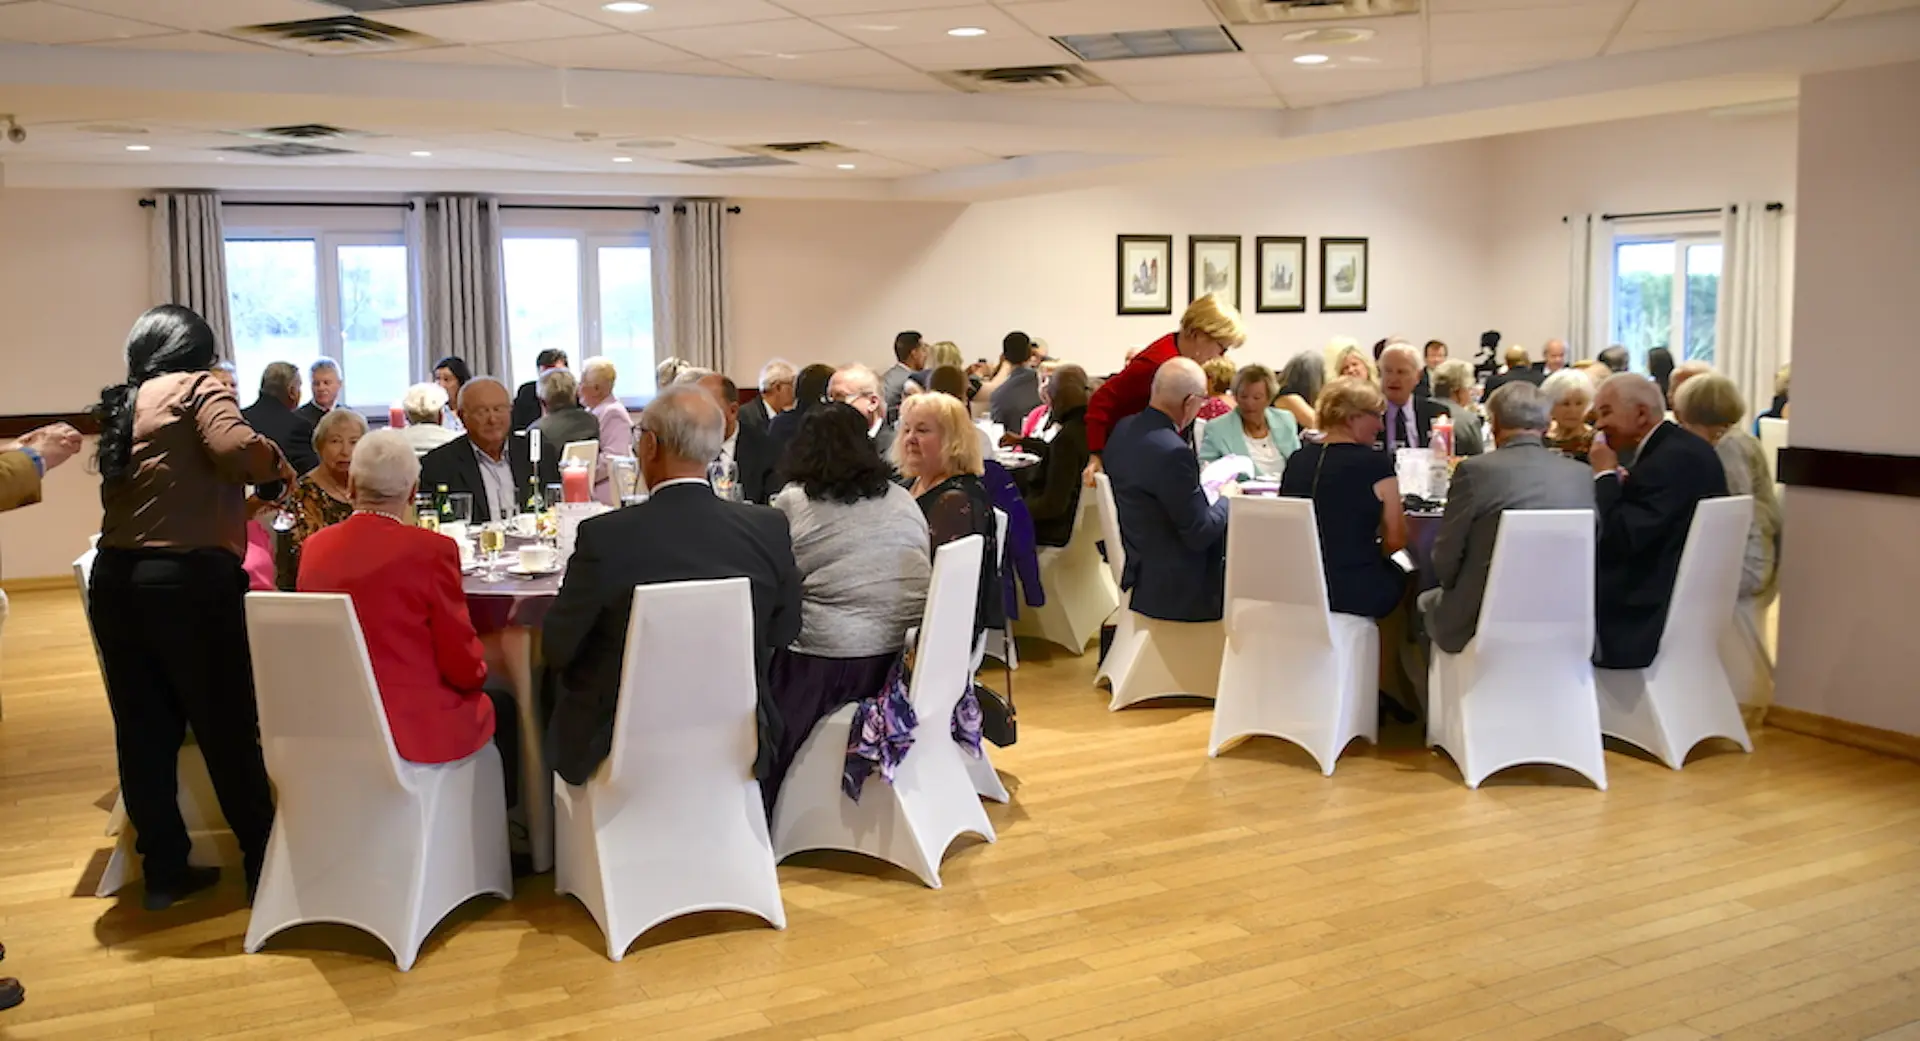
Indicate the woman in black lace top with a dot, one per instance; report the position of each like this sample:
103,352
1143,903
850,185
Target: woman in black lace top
937,452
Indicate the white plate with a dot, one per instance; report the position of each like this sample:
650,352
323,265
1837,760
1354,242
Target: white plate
516,569
1016,458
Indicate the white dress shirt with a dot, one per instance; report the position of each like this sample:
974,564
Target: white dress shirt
496,475
1393,426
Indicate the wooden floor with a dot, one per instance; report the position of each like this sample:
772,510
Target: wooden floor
1138,890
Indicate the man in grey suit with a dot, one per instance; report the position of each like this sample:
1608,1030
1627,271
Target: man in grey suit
1521,475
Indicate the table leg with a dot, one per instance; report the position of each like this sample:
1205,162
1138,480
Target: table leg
511,652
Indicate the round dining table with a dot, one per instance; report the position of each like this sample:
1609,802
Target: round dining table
507,612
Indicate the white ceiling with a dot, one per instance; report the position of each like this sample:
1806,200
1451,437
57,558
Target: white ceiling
714,75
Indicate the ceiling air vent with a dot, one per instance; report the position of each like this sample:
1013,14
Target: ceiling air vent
1020,79
738,162
800,148
301,132
341,34
1154,43
286,150
377,6
1272,12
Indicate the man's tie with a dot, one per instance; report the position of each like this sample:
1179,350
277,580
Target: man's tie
1400,439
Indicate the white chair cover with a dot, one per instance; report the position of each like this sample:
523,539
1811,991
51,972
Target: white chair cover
1081,591
1150,658
1522,690
1293,669
673,822
1126,638
986,780
361,837
586,453
1773,437
1685,697
932,800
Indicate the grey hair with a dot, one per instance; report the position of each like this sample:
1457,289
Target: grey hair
774,373
1451,375
687,422
1407,349
558,390
599,370
1519,406
384,467
334,418
1568,383
1637,389
422,402
665,372
1176,381
467,388
846,375
687,375
1304,375
278,379
323,365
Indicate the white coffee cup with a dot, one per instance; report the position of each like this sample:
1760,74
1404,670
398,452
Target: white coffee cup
454,530
538,558
521,526
467,551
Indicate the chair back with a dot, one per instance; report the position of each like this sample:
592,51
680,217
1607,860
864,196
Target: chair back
1110,526
585,452
322,726
1540,585
940,665
1199,433
83,576
1708,584
687,685
1773,437
1274,567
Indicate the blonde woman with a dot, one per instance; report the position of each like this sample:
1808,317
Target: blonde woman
937,452
1210,328
320,499
1352,363
1220,373
939,356
1356,500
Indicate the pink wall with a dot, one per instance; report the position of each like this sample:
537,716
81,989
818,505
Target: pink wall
1850,564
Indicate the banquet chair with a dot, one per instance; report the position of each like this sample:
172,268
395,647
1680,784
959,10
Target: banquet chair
1198,434
1121,652
931,800
587,453
213,841
673,822
986,780
1685,697
1522,690
1081,591
998,642
1773,437
361,837
1292,669
1151,658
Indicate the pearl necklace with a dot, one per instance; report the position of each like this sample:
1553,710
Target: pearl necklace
381,513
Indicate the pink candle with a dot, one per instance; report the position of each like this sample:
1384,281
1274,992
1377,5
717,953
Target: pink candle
576,484
396,416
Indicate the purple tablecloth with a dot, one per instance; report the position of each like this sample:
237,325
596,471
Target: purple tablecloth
1422,529
509,602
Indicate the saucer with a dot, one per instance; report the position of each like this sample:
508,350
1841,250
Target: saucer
516,569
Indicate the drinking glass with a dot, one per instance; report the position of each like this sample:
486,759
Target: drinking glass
493,539
553,492
460,506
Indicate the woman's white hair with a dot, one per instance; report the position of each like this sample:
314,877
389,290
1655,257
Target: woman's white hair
423,402
1568,383
384,467
335,419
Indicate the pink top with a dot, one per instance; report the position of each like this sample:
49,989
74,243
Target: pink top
1030,427
259,562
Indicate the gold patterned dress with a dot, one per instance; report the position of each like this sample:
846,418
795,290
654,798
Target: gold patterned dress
313,508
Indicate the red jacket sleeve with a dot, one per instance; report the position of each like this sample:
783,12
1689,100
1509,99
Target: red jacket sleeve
1125,394
456,647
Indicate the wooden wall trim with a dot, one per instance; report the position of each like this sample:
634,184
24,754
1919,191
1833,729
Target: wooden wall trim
1851,471
14,426
1840,731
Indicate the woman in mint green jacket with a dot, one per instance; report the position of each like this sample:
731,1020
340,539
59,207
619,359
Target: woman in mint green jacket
1254,428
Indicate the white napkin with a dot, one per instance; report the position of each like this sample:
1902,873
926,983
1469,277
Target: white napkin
1413,468
1218,473
570,514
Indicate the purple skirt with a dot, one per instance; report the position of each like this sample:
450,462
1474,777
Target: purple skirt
806,689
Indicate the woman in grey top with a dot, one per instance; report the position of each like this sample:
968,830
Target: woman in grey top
863,550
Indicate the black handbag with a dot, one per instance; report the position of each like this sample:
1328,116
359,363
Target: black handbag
999,720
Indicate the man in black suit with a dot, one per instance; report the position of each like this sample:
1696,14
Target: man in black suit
490,463
1409,417
325,384
1645,514
526,404
565,422
1176,542
681,533
856,385
749,450
1519,369
776,395
272,414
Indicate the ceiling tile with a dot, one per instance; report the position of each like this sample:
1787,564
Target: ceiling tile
824,65
705,67
1181,69
1723,17
38,22
909,81
1402,33
205,43
1200,92
912,28
495,23
823,8
936,158
1457,6
754,39
1856,8
209,15
1455,61
619,51
674,14
1327,79
982,53
447,56
1539,24
1067,17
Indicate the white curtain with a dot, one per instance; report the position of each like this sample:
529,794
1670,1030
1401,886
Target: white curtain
189,259
1748,329
690,282
462,281
1589,272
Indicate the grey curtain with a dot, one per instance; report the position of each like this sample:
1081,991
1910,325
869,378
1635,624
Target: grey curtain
462,281
690,282
189,262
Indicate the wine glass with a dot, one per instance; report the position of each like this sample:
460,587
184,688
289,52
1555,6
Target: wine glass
493,539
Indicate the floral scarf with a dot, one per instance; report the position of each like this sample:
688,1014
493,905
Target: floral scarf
883,726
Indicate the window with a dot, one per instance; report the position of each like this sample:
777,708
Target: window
589,296
1666,293
298,298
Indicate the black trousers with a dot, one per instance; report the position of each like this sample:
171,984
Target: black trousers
506,740
173,636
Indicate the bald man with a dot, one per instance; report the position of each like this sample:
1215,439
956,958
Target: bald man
1644,515
1176,542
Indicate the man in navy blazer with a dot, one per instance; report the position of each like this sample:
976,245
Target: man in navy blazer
1645,512
1176,543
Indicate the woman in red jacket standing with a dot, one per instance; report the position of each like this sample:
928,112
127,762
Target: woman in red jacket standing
1210,328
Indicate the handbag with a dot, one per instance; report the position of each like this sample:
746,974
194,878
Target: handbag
999,720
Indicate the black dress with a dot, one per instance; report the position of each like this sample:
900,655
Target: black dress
1051,487
1339,478
955,508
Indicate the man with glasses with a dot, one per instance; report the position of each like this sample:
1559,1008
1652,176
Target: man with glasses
776,395
856,385
489,463
1209,328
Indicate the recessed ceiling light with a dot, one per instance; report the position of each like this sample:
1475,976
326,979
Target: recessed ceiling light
421,155
967,30
626,7
847,166
1311,59
139,148
623,159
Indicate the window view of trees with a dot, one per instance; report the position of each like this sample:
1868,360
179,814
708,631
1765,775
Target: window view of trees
1655,306
278,294
555,283
274,302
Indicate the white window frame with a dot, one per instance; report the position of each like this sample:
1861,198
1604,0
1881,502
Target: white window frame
587,246
333,341
1683,233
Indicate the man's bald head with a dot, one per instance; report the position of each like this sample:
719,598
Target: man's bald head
1627,408
1179,389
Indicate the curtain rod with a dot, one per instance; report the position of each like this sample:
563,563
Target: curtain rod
1772,207
408,205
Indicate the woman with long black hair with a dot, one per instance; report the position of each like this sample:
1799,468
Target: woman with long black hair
167,594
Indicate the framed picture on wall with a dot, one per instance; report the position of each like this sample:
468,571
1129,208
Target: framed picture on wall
1280,263
1343,274
1213,266
1145,278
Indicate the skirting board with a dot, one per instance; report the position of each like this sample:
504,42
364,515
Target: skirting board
16,586
1839,731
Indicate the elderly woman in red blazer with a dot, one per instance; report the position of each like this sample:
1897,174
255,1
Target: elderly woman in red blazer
405,585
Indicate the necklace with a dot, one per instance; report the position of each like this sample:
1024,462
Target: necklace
380,513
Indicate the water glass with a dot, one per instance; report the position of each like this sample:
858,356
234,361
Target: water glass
460,507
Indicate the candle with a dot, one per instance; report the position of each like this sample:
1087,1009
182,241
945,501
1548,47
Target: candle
576,484
396,416
533,445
